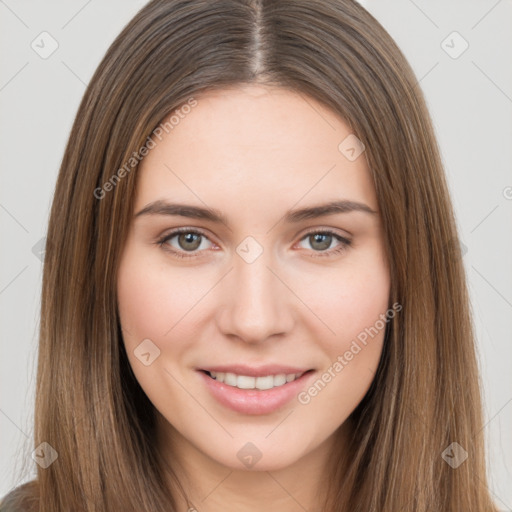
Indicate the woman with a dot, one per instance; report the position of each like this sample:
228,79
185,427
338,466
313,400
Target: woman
253,294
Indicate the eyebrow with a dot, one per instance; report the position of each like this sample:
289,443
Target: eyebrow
195,212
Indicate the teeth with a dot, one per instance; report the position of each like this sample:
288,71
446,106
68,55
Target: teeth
261,383
267,382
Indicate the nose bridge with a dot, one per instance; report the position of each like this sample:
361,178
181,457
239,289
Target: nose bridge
256,306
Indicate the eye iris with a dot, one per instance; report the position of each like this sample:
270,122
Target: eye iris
189,241
323,239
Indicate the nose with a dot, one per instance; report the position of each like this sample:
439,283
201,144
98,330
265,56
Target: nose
256,304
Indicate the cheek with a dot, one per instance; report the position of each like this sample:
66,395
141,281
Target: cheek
353,302
154,300
153,303
348,298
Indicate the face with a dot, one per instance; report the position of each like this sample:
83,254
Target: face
253,314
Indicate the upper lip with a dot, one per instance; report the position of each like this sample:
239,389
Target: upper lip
252,371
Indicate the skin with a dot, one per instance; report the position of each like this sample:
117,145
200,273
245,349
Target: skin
253,153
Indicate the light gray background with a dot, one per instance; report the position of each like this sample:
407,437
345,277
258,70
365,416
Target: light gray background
470,100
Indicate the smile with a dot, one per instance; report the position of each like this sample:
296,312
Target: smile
248,382
255,394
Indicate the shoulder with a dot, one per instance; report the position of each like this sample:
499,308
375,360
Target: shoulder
21,499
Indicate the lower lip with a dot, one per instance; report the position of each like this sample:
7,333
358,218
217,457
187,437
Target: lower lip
254,401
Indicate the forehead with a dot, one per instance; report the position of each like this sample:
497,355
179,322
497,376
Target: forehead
249,144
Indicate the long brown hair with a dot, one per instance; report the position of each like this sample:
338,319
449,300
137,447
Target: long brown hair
425,394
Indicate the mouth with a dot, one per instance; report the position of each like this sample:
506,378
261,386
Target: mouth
261,383
255,394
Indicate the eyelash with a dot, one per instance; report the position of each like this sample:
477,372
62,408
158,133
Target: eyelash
345,243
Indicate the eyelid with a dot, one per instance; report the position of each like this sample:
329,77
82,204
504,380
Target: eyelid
329,231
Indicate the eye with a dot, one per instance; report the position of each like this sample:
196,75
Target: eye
322,243
192,241
184,240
